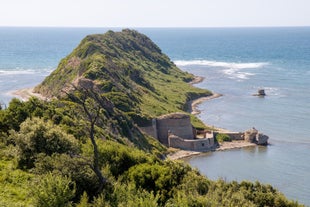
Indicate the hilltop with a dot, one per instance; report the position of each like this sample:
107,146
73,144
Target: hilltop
130,70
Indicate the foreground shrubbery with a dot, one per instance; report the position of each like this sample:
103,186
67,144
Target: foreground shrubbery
43,164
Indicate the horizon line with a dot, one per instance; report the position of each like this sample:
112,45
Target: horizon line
154,27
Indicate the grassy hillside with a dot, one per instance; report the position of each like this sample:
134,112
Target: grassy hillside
129,69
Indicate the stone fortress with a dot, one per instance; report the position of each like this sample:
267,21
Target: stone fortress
175,130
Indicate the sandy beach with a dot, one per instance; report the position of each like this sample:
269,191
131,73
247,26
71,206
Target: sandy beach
192,105
196,102
26,93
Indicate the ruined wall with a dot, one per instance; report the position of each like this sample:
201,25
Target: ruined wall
149,130
206,144
236,135
178,124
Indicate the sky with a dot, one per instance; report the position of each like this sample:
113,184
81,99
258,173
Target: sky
155,13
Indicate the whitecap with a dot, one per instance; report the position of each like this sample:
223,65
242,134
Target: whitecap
17,72
233,65
233,70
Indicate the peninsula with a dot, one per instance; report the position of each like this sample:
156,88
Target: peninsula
88,144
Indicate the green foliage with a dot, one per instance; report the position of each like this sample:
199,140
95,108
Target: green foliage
77,168
129,195
18,112
13,116
158,178
130,70
53,191
14,185
197,123
117,157
223,138
83,201
38,136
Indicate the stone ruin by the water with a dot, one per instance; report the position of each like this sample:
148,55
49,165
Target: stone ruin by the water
254,136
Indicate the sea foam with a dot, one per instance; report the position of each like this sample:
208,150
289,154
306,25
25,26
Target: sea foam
234,65
17,72
233,70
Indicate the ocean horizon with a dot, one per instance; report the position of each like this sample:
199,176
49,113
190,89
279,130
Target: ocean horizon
235,62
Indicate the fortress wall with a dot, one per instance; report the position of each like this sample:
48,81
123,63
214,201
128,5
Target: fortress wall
149,130
178,142
180,127
195,144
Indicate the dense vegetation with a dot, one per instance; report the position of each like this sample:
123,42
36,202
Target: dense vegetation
85,148
47,160
130,70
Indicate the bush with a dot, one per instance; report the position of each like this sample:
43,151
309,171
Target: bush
119,158
160,178
223,138
53,191
37,136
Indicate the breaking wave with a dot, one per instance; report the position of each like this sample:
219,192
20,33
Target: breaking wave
16,72
233,70
221,64
8,72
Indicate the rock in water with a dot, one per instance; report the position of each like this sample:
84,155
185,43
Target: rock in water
260,92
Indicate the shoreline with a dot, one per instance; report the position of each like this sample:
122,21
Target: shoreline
184,154
237,144
26,93
192,104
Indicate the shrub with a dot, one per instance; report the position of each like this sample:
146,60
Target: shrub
37,136
53,191
223,138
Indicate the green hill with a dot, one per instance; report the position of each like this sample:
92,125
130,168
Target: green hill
129,69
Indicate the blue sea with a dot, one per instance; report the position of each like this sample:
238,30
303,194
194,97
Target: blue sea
235,62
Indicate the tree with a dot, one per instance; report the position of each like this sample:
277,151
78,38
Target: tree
37,136
92,106
13,116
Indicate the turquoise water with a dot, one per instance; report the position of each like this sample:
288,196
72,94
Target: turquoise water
235,62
